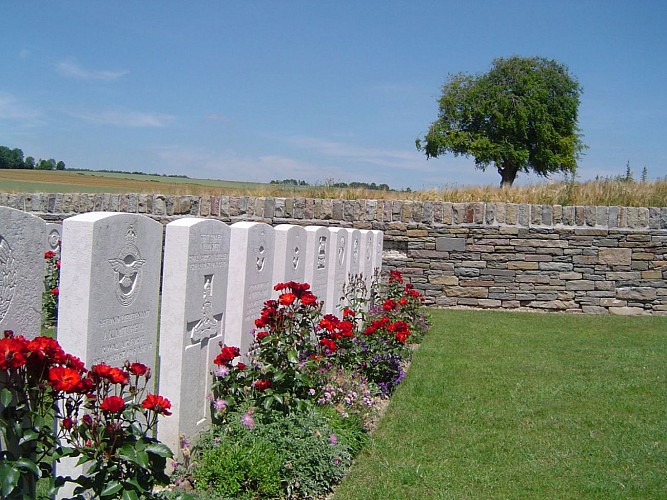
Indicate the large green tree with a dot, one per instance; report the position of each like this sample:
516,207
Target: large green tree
519,116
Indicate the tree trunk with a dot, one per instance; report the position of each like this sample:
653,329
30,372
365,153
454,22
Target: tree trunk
507,175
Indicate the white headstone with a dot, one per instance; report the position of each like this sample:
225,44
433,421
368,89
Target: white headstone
21,272
366,253
194,293
109,294
354,251
290,250
317,261
378,244
338,244
53,236
251,249
109,288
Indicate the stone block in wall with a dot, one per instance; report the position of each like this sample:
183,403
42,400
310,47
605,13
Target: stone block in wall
536,215
470,292
590,216
459,213
569,216
444,280
114,203
628,311
444,244
523,215
447,213
215,206
643,294
637,217
615,256
581,285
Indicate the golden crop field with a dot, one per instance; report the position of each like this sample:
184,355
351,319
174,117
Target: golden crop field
599,192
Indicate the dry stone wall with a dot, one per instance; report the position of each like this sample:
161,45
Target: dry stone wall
489,255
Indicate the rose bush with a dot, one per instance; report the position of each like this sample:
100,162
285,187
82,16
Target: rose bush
103,417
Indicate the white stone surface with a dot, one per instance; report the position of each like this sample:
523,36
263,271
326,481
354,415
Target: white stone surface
378,244
338,247
53,236
109,288
194,295
109,294
251,251
367,249
317,261
353,251
289,263
21,271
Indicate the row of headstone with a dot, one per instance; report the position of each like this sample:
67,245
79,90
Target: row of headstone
215,280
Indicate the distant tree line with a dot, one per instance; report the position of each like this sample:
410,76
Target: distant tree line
289,182
13,158
135,172
330,183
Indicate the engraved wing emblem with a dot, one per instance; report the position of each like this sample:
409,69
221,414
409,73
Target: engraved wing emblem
125,270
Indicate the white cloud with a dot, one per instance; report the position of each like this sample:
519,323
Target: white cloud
12,109
125,118
72,69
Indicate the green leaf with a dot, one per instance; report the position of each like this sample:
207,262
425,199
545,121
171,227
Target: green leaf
5,397
159,449
111,489
10,479
25,464
128,452
292,356
28,435
142,459
130,495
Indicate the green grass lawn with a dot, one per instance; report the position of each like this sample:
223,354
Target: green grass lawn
518,405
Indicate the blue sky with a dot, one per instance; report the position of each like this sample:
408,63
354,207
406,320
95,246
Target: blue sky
313,90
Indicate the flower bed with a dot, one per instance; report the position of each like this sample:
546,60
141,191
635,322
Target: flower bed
290,416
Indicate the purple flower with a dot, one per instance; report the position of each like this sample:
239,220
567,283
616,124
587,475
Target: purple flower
333,439
219,404
247,420
222,371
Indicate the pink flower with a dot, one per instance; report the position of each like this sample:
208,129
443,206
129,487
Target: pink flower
247,420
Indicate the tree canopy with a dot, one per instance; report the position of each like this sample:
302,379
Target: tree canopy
519,116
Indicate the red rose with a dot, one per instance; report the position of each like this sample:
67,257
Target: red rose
45,349
261,334
348,312
112,404
138,369
403,301
55,291
64,379
227,354
241,366
389,304
395,277
329,344
157,403
49,254
67,423
308,299
262,384
13,352
287,299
